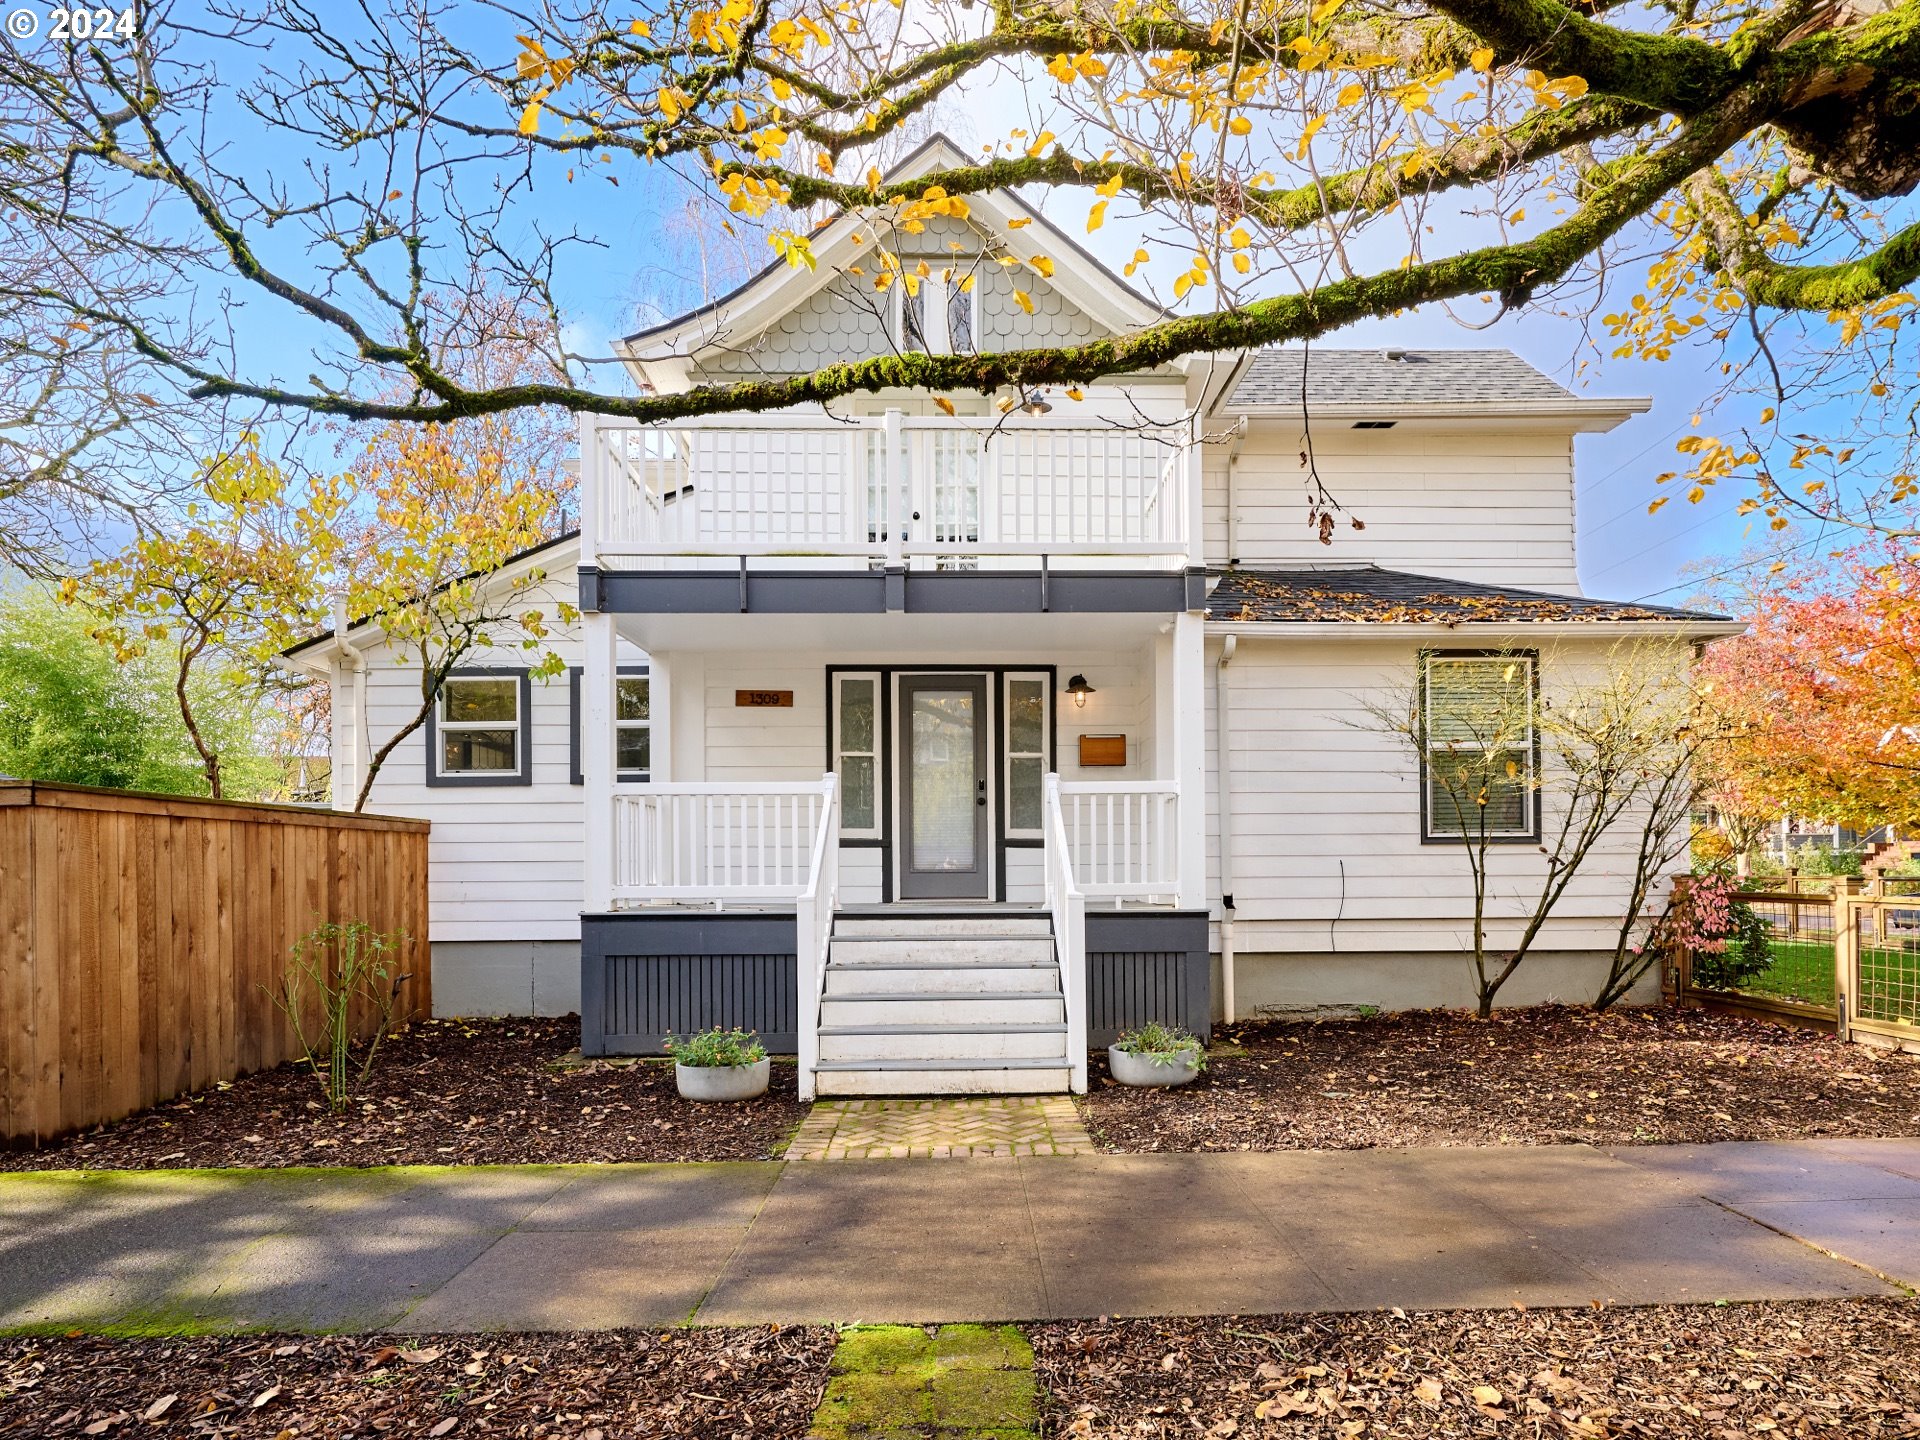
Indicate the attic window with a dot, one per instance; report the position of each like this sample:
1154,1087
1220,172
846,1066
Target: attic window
1374,424
938,318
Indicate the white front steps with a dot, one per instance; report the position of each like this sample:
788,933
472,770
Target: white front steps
942,1004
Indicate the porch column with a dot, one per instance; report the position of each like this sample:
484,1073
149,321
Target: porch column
1180,744
596,755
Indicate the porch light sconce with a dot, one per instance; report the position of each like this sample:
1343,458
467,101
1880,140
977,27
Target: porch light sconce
1079,689
1034,403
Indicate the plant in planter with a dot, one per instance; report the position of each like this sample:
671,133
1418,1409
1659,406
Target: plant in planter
719,1064
1156,1054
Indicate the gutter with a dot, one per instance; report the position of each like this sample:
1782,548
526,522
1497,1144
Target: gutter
1428,629
1223,767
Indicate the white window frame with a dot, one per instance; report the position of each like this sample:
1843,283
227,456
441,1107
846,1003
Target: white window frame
520,772
1007,753
933,316
1529,747
876,753
632,777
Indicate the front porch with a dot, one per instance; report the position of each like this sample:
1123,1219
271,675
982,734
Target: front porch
948,867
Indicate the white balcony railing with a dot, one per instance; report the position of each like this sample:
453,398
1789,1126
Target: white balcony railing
715,844
888,487
1124,838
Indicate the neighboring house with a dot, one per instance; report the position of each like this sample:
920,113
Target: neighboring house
904,736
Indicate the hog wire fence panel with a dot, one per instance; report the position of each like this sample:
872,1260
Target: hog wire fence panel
1796,967
1885,960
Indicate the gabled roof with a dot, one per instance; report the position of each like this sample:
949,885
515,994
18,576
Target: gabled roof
749,308
1392,381
367,627
1370,595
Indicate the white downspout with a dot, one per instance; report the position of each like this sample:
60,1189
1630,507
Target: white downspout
347,661
1233,491
1223,767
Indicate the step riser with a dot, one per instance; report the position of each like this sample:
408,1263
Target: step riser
838,1010
984,925
943,1082
958,950
969,979
1001,1045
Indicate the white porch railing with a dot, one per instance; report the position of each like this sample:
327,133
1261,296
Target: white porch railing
1068,904
888,487
1124,837
813,930
717,843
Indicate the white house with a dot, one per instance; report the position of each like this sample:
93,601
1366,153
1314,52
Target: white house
938,746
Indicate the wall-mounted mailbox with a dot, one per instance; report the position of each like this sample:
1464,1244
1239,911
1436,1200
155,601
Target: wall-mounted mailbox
1103,749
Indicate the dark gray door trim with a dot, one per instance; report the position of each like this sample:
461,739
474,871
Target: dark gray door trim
977,883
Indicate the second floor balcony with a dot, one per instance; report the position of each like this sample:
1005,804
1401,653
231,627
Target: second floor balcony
890,490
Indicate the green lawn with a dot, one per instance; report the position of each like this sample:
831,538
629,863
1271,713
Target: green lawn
1802,971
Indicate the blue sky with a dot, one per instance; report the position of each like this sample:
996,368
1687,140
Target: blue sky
650,261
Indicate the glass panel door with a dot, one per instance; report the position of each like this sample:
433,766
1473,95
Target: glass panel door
943,742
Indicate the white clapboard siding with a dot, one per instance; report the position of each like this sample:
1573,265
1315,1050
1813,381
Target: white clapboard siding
1491,505
504,862
1327,852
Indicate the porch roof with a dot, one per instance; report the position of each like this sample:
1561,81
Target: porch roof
1370,595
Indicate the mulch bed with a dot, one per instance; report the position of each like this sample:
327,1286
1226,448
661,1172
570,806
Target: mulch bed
1830,1368
442,1092
698,1384
1540,1076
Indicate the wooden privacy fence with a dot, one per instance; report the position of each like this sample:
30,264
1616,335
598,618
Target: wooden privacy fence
141,936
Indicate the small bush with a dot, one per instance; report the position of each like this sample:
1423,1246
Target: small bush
1163,1045
717,1047
1744,949
341,981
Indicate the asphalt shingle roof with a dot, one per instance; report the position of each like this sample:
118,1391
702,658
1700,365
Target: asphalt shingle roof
1372,595
1418,377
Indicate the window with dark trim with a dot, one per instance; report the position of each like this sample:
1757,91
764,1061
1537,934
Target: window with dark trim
1480,746
477,728
632,725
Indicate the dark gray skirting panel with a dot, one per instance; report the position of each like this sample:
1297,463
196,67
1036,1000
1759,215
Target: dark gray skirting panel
645,975
1145,966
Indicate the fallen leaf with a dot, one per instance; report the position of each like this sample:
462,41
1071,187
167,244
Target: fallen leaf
1427,1392
421,1357
158,1407
1487,1395
265,1397
444,1426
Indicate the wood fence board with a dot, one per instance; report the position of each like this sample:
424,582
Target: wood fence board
140,937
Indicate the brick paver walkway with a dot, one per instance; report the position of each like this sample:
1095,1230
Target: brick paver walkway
939,1129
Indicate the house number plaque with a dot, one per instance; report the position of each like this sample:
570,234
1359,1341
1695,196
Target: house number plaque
763,699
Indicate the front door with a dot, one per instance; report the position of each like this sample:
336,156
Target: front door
943,788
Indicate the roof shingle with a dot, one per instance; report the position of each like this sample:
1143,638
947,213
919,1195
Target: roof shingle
1369,595
1416,377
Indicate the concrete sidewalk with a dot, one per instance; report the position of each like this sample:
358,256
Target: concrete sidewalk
947,1240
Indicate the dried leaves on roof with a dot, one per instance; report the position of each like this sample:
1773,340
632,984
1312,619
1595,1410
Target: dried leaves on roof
1375,596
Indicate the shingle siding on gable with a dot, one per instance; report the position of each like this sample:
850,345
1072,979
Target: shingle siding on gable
841,320
837,322
1420,377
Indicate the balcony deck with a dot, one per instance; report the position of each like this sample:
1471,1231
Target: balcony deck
947,495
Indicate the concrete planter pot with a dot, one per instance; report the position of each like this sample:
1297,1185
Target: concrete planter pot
722,1082
1131,1069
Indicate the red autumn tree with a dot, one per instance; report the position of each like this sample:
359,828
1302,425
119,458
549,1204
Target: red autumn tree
1819,702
